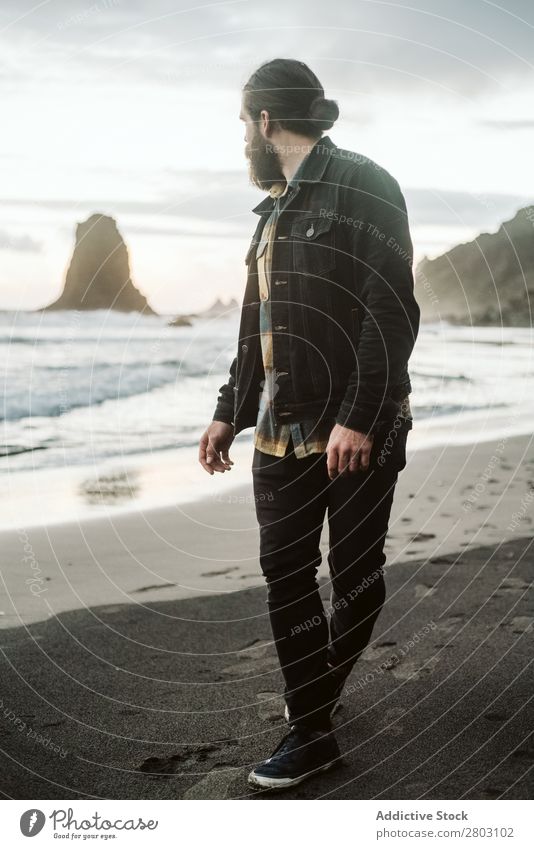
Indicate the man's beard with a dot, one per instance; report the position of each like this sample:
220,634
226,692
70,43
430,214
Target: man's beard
264,165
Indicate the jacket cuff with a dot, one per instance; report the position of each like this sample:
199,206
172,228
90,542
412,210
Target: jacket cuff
223,414
357,420
356,416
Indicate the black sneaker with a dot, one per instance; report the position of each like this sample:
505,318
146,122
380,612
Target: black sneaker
301,754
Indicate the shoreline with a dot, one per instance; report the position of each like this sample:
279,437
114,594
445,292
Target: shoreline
447,499
138,483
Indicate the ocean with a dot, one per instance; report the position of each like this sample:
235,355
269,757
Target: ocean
85,389
84,386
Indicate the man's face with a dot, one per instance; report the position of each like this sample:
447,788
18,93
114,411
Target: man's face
264,164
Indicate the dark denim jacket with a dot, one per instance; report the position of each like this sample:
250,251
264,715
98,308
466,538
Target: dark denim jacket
342,300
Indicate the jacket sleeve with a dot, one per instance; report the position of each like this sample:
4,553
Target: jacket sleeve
224,411
383,257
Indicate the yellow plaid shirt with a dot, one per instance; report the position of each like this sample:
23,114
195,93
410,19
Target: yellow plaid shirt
270,436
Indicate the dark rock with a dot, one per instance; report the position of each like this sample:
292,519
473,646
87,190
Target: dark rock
489,281
216,310
180,321
98,276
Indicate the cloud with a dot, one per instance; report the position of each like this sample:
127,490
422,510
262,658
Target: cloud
21,244
511,124
437,207
223,202
355,44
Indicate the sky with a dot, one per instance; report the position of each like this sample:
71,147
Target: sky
130,109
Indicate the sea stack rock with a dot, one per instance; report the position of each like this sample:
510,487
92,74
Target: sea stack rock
98,277
489,281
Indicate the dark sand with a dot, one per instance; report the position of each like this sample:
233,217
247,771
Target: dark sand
178,699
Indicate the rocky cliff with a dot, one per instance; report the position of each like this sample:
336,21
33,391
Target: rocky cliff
216,310
489,281
98,276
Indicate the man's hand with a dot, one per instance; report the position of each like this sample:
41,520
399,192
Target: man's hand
348,451
214,446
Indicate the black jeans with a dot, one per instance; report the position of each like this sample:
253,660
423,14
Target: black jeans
292,496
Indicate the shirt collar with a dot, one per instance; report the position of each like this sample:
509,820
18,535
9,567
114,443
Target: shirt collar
310,170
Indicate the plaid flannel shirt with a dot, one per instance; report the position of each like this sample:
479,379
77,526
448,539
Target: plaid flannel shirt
270,436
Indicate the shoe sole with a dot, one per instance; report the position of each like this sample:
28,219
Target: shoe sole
267,783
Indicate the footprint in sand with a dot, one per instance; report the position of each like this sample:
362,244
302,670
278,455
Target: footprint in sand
422,591
218,572
496,717
391,721
391,662
422,537
187,759
154,587
450,625
415,789
519,624
414,669
514,585
371,654
491,792
525,751
271,706
214,785
254,659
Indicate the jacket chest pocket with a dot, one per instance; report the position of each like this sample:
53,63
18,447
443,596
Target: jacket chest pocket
314,249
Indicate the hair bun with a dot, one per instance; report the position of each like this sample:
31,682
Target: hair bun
324,112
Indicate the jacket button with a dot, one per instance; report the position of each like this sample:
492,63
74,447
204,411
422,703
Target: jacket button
310,231
244,348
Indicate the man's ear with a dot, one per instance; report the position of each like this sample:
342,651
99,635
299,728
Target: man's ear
265,124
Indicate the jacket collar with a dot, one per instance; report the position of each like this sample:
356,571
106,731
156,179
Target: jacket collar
311,169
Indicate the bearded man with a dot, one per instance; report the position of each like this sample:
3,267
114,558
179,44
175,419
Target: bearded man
328,323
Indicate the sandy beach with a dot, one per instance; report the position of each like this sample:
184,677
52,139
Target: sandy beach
137,660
